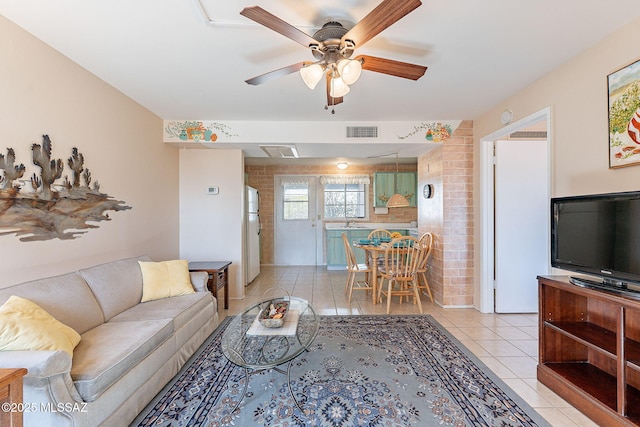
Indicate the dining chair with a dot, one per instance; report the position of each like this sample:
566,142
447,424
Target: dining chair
402,258
353,268
379,233
426,240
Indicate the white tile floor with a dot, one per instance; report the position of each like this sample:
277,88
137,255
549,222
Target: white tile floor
506,343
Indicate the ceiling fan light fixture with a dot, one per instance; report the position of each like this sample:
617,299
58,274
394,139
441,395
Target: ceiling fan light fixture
350,70
334,43
311,75
338,88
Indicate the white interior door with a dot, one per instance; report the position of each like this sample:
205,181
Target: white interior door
521,223
295,223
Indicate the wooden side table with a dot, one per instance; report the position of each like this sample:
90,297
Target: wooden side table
11,397
218,276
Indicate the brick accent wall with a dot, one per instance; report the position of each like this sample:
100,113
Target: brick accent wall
262,178
449,216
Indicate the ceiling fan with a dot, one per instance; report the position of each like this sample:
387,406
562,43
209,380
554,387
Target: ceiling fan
332,47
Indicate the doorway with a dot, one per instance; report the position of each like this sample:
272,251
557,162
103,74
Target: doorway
514,232
296,219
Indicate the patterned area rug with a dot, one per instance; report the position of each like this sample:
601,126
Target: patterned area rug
360,371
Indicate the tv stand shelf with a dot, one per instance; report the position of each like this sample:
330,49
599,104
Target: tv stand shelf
589,342
593,336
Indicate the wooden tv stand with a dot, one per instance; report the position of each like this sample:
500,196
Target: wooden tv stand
589,342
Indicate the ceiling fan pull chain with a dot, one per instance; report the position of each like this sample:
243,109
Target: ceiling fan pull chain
333,110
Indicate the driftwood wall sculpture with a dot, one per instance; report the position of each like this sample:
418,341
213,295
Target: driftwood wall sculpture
51,210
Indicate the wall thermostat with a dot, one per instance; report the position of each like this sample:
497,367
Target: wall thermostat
213,190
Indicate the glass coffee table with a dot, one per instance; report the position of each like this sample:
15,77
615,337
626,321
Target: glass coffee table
255,348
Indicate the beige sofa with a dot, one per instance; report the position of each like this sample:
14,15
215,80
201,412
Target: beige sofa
128,350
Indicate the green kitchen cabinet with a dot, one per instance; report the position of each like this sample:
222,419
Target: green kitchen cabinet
336,257
335,249
384,186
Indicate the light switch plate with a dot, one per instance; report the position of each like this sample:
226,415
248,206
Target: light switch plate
213,190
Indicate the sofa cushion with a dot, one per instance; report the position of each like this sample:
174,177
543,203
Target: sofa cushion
165,279
117,285
67,298
180,309
24,325
109,351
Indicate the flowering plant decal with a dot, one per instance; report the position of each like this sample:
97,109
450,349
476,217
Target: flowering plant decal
197,131
435,131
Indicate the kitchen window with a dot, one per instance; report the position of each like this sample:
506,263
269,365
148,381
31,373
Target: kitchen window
296,201
343,201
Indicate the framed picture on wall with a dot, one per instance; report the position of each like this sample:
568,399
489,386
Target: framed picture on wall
624,116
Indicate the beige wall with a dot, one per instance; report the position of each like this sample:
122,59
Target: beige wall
577,95
431,216
576,92
43,92
211,226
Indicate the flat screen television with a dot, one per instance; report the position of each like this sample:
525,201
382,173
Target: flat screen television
598,235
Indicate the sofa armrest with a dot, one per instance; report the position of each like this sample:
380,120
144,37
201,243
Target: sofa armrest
48,384
39,363
199,280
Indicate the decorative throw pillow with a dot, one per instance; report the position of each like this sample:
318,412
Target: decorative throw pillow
165,279
24,325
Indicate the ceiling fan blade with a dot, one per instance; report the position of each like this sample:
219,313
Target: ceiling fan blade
261,16
391,67
272,75
330,99
383,16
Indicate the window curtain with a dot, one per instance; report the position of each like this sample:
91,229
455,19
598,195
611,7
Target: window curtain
295,180
345,179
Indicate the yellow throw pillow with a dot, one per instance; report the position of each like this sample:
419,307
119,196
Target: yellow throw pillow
24,325
165,279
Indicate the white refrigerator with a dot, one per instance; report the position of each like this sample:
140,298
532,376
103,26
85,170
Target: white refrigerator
252,234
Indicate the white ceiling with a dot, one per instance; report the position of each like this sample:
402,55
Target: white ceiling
167,57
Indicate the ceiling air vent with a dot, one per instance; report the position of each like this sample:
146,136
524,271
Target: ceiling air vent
530,134
281,151
362,131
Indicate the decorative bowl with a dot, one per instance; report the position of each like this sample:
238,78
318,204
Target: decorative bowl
274,313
